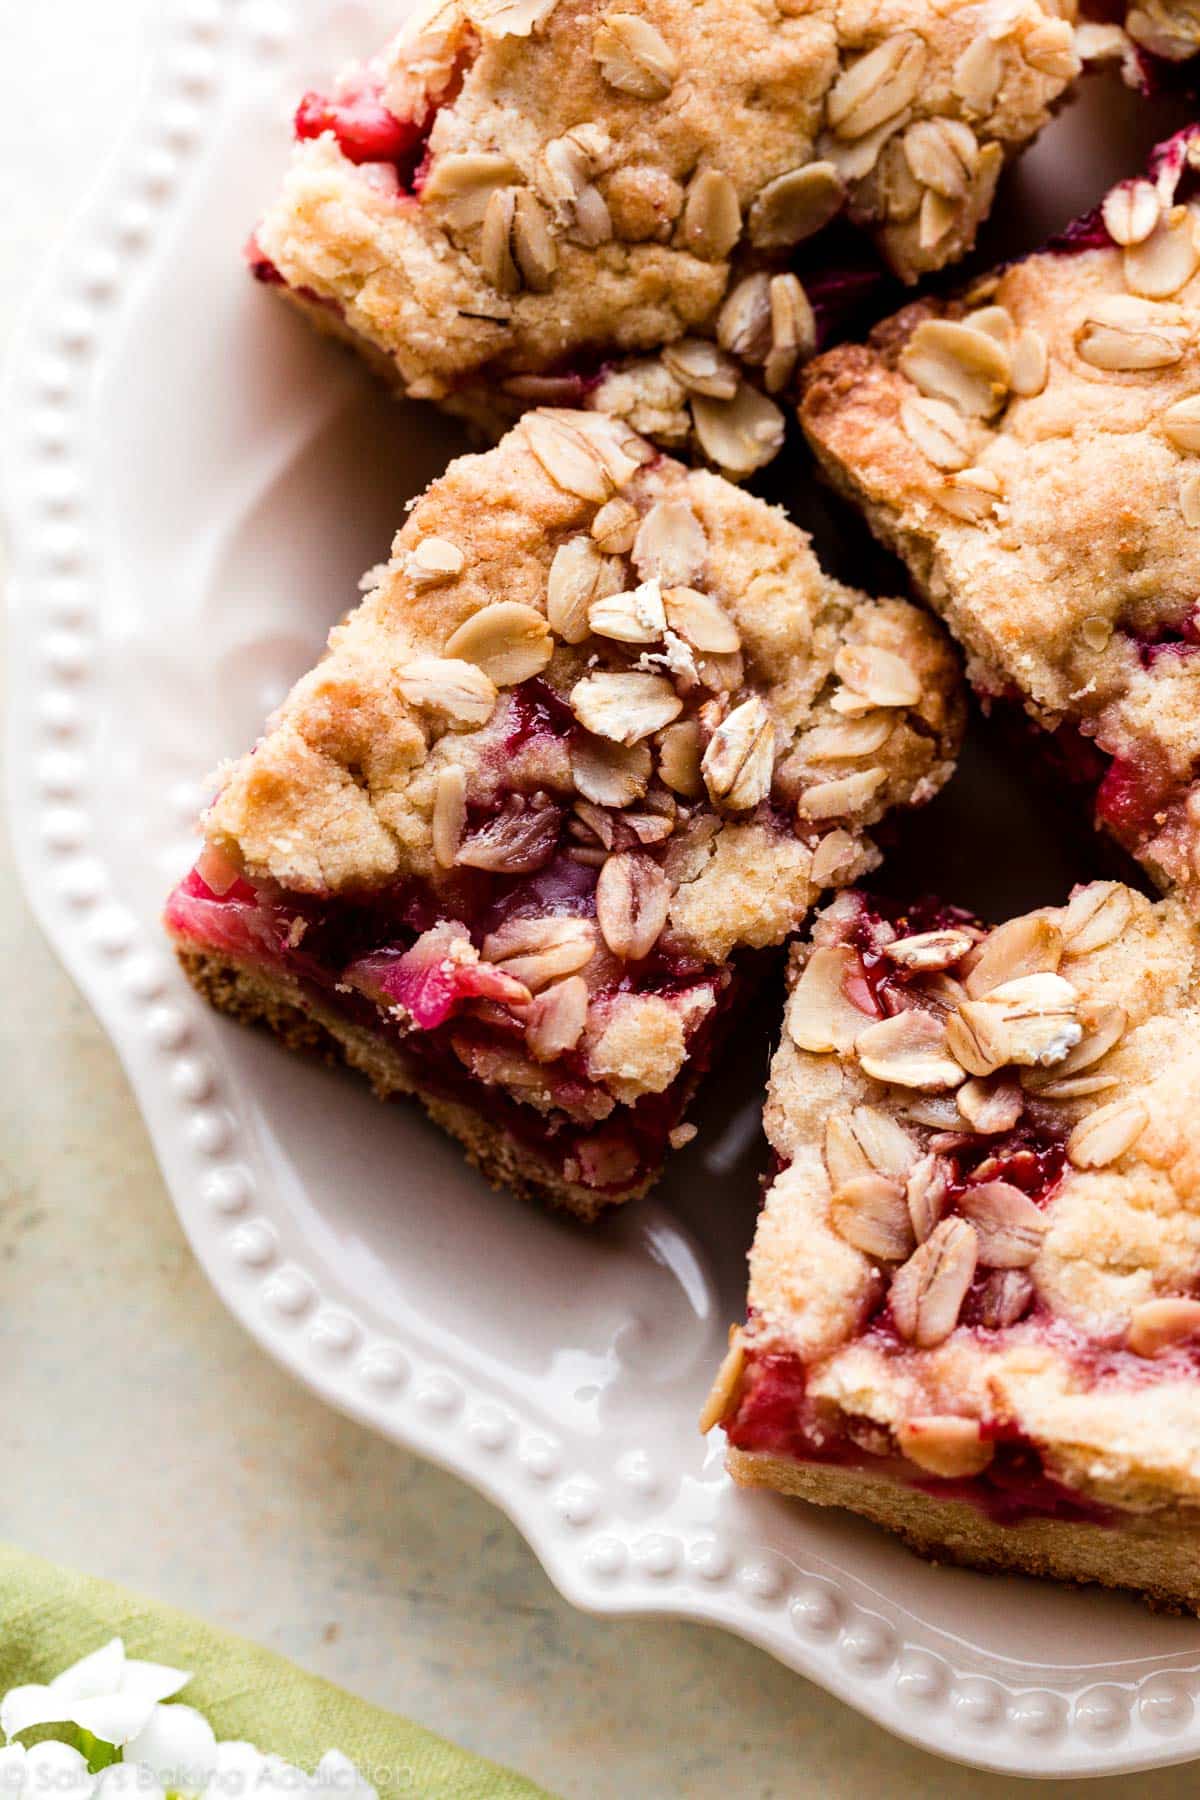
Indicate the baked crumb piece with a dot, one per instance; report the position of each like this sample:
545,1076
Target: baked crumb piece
972,1311
511,198
1032,450
1168,31
601,729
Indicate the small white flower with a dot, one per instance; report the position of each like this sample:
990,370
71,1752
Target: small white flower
107,1693
50,1769
179,1745
165,1749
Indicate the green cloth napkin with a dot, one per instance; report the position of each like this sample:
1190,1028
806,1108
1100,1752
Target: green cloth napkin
50,1617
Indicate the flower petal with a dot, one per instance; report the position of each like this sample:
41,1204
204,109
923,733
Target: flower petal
57,1769
12,1771
98,1673
113,1718
32,1704
284,1779
151,1680
179,1744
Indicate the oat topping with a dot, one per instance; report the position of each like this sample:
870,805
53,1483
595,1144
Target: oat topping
580,767
433,561
510,642
929,1290
634,56
1029,449
465,695
633,899
558,185
1169,29
956,1263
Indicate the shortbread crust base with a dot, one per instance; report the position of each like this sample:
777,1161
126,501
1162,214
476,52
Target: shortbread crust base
1157,1556
245,992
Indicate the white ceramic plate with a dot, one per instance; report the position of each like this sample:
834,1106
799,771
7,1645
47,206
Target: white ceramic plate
194,484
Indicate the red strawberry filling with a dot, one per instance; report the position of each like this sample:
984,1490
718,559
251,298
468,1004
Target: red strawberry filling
405,967
364,128
1132,796
880,985
776,1416
1168,160
1179,638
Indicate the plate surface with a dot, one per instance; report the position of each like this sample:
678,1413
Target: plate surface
194,484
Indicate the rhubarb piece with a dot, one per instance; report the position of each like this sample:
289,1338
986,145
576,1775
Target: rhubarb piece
512,844
1032,451
515,194
973,1311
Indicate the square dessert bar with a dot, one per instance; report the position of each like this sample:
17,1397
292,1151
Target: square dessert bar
600,731
514,193
1032,451
973,1308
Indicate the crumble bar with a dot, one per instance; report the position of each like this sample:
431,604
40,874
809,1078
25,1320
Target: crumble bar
601,730
514,193
972,1311
1032,451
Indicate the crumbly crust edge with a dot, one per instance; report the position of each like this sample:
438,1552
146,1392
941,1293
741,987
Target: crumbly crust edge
244,993
1157,1559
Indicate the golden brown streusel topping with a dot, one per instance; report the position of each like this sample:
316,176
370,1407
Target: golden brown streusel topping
1033,452
726,723
602,182
902,1122
739,718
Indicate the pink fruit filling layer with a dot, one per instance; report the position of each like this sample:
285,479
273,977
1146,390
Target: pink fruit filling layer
775,1416
366,130
1133,796
391,151
384,964
1168,163
883,986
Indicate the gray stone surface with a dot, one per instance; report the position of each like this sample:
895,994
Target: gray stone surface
142,1435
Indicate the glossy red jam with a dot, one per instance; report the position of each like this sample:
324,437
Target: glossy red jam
885,982
377,960
1130,796
537,711
1133,797
354,960
1169,159
364,128
1180,638
1031,1157
776,1417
